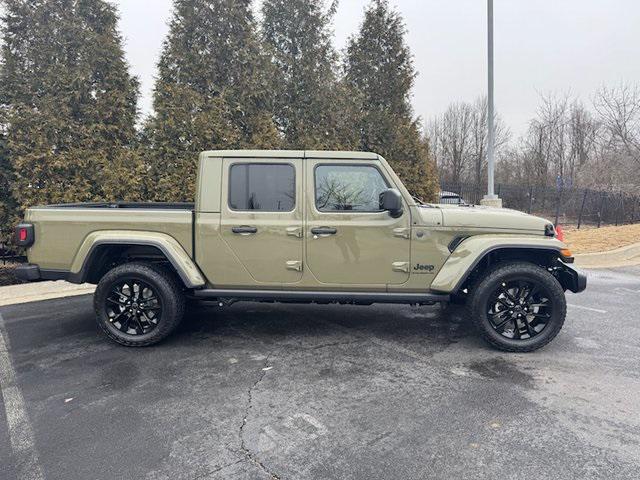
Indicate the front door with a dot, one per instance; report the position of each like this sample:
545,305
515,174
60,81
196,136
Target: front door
262,215
349,239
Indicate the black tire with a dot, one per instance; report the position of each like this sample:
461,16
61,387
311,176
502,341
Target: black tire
507,323
159,297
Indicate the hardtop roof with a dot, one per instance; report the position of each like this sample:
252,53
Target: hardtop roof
291,154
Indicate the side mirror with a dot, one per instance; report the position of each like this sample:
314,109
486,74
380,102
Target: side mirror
391,201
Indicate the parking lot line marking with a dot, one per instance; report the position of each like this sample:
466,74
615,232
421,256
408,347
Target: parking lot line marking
626,290
20,430
597,310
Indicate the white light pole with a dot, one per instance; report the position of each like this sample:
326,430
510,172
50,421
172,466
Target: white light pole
491,199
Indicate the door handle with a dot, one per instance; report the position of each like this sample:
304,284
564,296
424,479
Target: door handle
244,230
324,231
402,233
294,232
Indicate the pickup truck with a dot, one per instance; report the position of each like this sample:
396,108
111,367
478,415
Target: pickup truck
303,226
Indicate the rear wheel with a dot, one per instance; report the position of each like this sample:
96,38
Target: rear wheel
518,307
138,304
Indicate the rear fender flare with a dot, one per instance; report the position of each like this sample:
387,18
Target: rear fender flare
169,246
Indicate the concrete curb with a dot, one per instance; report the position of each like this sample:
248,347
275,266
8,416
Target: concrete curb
620,257
34,292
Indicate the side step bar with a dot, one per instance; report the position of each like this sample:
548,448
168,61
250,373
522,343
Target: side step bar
321,296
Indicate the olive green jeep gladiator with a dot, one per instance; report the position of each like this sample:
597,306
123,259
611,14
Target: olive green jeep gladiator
303,226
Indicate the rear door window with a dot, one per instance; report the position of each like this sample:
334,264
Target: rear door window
263,187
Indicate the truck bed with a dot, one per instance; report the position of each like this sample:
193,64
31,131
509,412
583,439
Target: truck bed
61,229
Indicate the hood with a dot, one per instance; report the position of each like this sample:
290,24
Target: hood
490,218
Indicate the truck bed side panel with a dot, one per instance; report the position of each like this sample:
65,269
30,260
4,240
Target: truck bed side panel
59,232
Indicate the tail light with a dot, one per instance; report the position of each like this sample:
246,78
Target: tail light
25,235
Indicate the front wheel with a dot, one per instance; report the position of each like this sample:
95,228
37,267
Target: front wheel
518,307
138,304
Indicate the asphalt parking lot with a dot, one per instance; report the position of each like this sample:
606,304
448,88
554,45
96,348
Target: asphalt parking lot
259,391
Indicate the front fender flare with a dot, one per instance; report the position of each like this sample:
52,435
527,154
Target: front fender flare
471,251
169,246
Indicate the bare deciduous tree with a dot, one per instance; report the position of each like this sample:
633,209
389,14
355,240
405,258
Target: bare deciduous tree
568,142
583,137
451,141
561,142
619,110
459,141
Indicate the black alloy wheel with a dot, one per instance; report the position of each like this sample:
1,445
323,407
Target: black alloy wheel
133,307
138,304
517,306
519,309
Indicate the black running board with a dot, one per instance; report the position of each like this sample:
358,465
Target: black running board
304,296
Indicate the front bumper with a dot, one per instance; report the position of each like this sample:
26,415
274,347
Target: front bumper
581,282
572,280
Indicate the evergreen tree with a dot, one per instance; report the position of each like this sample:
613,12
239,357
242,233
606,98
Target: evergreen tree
213,92
7,201
310,101
111,98
379,66
68,103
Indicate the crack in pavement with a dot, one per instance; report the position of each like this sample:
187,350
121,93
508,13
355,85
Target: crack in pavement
251,456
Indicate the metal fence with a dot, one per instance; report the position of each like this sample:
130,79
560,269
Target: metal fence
11,257
566,206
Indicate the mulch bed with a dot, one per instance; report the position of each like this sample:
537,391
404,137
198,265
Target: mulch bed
590,240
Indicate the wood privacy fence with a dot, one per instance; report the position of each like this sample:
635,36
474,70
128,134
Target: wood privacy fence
565,206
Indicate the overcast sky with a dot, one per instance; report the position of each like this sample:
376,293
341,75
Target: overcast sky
541,46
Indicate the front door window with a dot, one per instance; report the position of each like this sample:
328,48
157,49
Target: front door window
352,188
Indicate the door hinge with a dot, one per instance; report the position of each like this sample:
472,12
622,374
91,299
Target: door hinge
294,232
402,232
400,267
294,265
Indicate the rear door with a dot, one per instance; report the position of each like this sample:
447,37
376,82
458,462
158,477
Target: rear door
349,240
262,217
